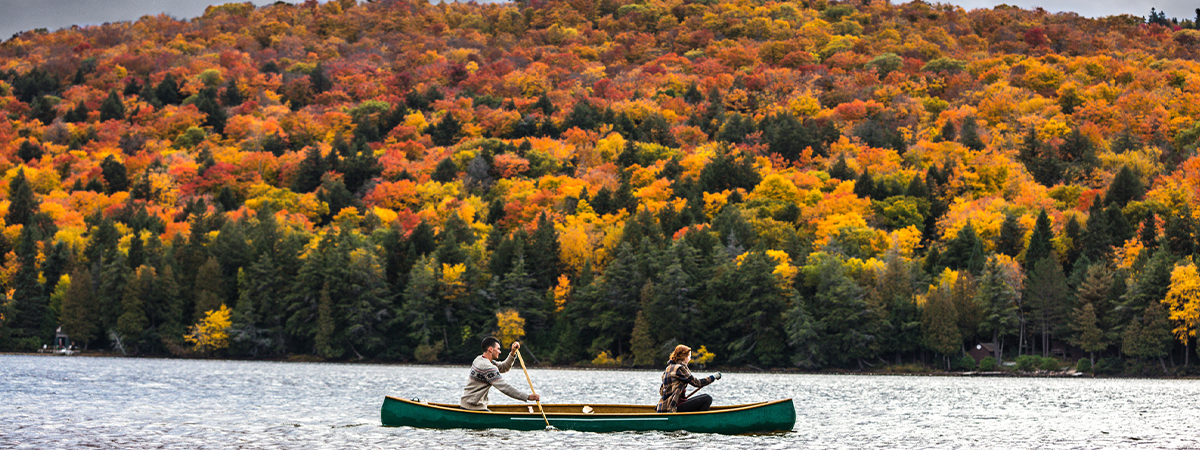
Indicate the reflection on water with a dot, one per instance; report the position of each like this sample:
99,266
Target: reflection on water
61,402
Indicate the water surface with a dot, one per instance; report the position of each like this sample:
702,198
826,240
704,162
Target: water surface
129,403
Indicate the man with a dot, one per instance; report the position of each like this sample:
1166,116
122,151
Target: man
485,373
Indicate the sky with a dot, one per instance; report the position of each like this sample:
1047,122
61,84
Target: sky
22,15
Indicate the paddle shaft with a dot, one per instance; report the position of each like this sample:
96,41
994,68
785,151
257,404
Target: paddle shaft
539,401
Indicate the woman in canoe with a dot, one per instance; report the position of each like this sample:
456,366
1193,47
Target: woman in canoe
675,380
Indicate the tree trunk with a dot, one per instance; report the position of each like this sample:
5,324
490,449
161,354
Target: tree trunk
1045,342
1021,340
996,344
1164,364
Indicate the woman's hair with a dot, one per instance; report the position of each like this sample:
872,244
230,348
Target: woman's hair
681,352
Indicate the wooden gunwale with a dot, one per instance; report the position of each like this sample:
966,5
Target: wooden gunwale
714,410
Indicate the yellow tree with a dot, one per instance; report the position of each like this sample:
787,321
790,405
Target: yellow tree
562,292
212,332
511,325
1183,302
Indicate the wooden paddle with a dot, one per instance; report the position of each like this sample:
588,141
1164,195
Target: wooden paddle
539,401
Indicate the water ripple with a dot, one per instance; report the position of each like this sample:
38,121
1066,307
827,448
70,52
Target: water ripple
110,403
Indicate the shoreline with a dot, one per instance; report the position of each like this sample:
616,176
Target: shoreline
1071,373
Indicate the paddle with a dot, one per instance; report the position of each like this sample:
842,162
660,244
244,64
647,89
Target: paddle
539,401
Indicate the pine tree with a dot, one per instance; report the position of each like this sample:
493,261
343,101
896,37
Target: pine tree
1040,245
1119,229
1097,239
232,95
1088,335
672,310
849,326
166,309
115,176
209,288
969,135
114,275
616,307
1148,336
544,253
308,175
80,310
864,186
841,170
32,321
939,326
895,291
999,301
112,108
326,327
1046,294
29,151
948,132
643,344
969,311
445,133
735,129
78,114
1178,233
167,92
233,253
445,172
1096,289
369,307
214,113
1126,186
257,319
333,192
132,323
1012,237
1149,286
1149,232
23,203
965,251
303,299
137,255
420,304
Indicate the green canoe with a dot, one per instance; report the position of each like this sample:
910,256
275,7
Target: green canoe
763,417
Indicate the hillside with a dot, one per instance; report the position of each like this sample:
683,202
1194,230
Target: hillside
812,184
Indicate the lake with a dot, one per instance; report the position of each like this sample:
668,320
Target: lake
134,403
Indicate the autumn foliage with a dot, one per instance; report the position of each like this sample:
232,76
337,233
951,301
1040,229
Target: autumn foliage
785,183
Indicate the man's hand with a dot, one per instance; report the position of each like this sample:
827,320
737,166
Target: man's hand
516,346
534,397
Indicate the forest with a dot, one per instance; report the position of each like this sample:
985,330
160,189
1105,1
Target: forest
806,184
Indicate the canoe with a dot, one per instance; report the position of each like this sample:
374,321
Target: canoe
762,417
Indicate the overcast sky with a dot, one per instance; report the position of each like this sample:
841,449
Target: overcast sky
21,15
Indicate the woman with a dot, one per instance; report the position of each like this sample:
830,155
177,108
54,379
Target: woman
675,380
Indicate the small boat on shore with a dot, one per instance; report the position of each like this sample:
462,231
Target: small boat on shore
762,417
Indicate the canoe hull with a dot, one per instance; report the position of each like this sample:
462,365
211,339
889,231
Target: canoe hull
762,417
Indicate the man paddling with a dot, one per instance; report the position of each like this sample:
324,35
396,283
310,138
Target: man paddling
485,373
